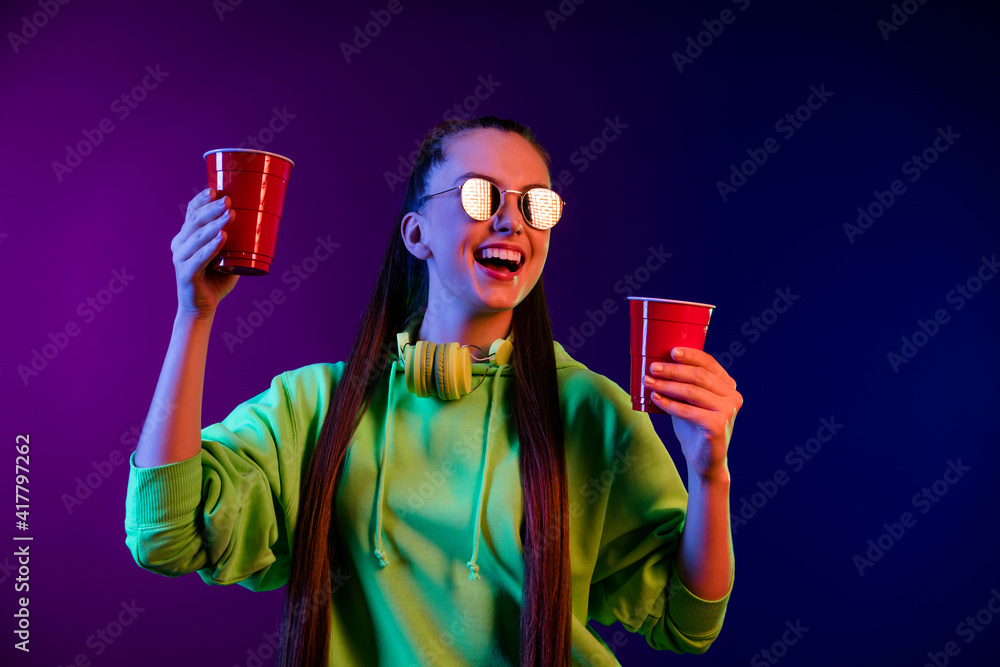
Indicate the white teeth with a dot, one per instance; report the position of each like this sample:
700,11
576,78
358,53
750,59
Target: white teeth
510,255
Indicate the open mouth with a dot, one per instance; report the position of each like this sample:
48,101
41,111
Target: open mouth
502,261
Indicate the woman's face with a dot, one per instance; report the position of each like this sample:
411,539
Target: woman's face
450,240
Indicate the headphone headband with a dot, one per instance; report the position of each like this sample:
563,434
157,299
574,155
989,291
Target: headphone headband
501,351
444,369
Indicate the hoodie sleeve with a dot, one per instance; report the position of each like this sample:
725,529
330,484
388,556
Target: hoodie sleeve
229,511
635,578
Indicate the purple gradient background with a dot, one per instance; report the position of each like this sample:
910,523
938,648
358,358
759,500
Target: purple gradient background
60,241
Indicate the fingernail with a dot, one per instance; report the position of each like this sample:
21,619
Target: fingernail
678,353
649,380
657,368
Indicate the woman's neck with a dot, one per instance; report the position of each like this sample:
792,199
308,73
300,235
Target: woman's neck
479,330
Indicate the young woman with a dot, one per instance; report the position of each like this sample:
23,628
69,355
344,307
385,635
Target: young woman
449,505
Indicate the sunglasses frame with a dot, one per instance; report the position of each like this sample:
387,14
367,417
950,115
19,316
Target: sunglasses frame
503,193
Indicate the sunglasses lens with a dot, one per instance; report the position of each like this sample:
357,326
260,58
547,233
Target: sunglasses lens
542,207
480,198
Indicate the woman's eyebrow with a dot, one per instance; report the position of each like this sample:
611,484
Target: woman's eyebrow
475,174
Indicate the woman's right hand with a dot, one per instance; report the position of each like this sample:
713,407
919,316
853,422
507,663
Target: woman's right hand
196,244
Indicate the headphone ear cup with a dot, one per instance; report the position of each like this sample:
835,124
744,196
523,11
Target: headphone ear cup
440,365
463,370
501,351
426,370
419,363
443,370
408,372
453,371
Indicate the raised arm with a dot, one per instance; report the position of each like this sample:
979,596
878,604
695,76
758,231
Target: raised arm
703,421
172,430
705,561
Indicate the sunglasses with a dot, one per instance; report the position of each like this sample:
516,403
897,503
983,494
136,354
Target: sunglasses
540,207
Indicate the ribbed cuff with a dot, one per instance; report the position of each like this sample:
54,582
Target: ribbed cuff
691,614
162,494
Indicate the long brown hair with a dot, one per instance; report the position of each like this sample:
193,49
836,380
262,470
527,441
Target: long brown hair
400,291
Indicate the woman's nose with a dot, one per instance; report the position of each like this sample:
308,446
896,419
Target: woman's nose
509,215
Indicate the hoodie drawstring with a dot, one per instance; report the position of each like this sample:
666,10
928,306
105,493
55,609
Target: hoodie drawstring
473,567
379,550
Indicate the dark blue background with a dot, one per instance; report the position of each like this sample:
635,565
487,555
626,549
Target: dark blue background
348,123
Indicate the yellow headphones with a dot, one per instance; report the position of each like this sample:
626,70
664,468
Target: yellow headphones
444,370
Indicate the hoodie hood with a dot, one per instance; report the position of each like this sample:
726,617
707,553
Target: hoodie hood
563,360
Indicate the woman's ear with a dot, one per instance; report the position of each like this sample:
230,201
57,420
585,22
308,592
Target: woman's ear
412,229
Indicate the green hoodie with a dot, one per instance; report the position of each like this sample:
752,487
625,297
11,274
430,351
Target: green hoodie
435,539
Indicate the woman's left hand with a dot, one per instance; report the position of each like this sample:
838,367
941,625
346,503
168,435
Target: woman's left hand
705,426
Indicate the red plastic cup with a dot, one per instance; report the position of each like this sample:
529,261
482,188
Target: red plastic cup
658,326
255,182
